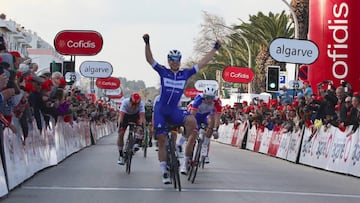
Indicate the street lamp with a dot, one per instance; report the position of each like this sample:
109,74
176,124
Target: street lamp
296,22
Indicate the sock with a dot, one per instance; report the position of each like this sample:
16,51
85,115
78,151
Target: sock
163,167
186,160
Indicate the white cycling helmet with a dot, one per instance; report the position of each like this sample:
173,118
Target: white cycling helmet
209,91
174,55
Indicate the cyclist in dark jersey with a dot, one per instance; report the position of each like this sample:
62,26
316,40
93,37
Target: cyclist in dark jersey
173,82
148,118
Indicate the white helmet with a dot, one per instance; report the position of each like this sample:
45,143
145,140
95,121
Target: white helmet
174,55
209,91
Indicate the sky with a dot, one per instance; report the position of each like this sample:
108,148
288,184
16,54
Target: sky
171,24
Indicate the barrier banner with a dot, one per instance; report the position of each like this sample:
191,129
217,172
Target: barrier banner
86,132
340,151
354,159
251,138
244,128
226,133
3,185
294,145
259,137
321,147
265,141
274,142
60,141
240,131
234,136
305,156
284,145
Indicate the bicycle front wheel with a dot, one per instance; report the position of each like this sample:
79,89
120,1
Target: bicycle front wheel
129,152
145,141
175,167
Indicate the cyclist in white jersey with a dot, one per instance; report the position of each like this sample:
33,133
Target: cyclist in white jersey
131,110
173,82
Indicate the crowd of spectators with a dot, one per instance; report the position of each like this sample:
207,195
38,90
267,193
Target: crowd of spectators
336,106
25,96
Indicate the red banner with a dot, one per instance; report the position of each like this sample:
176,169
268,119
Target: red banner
108,83
78,42
237,74
191,92
335,29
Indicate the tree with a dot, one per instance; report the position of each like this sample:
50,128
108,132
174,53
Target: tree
260,31
301,9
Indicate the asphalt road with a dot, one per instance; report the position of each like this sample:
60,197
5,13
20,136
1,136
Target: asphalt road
233,175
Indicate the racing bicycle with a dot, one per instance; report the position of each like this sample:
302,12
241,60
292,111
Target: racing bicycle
197,159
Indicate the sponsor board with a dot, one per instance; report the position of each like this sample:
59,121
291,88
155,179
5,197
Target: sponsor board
96,69
294,50
191,92
202,84
237,74
108,83
78,42
112,91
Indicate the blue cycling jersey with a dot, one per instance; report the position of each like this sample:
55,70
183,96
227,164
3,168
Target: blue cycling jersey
166,109
173,84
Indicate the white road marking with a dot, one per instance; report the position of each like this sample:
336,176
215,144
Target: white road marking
192,190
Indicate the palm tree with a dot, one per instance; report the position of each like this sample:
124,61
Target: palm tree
301,9
260,31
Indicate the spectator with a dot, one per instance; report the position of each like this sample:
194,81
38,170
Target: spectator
307,90
355,113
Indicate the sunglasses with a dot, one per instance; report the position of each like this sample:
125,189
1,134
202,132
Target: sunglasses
175,59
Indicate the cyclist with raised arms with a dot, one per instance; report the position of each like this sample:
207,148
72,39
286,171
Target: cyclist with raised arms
173,82
131,110
206,107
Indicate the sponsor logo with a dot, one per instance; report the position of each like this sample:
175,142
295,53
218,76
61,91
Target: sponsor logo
178,84
237,74
96,69
108,83
337,49
294,50
77,42
202,84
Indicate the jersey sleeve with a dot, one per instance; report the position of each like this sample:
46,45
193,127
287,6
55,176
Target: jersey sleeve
142,107
191,71
123,106
159,68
